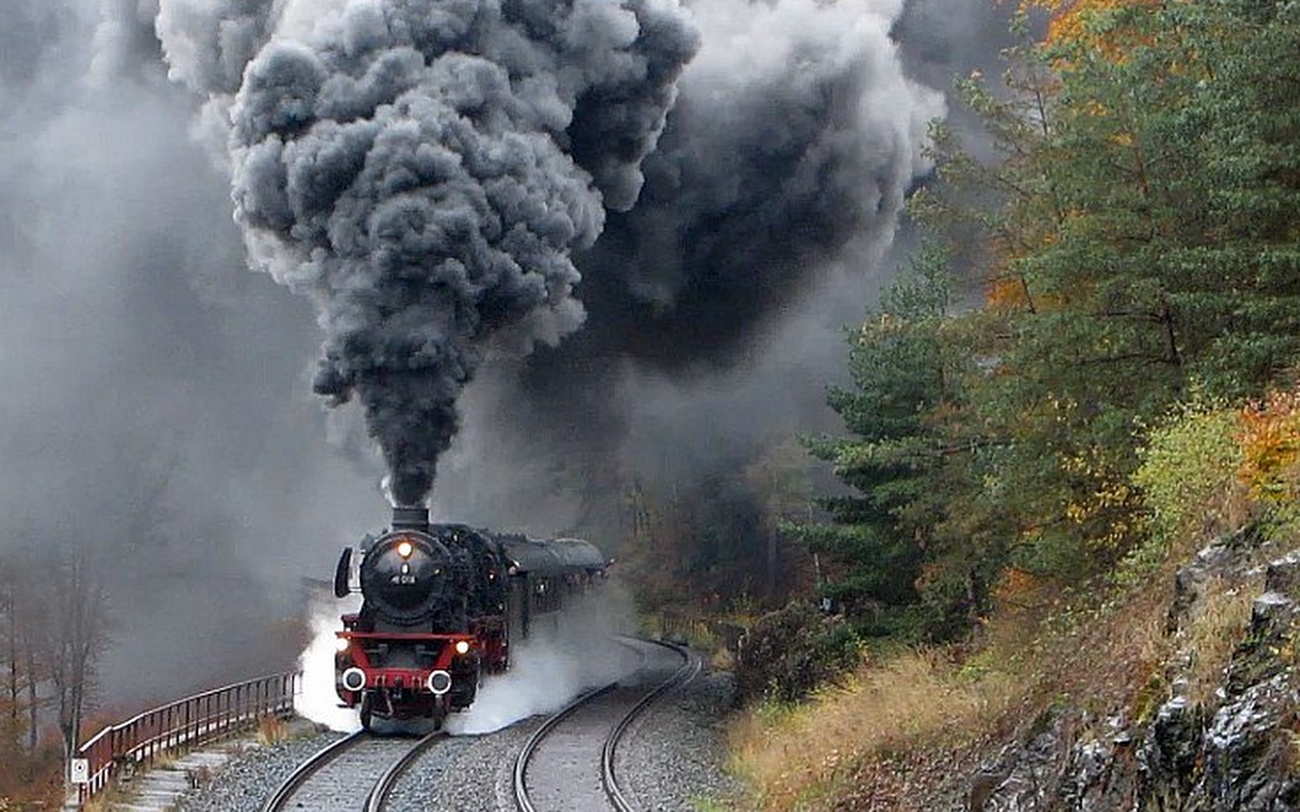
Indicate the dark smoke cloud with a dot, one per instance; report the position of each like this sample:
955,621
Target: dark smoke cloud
148,374
943,40
424,170
779,177
768,222
795,139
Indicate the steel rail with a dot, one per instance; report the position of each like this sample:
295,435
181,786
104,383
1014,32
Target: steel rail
308,768
522,802
379,793
609,784
608,780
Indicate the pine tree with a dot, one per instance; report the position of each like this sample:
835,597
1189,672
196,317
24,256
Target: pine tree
880,542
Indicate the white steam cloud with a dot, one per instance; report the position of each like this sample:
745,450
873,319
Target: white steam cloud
564,655
318,701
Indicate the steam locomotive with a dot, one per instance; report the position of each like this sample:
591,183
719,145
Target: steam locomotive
440,605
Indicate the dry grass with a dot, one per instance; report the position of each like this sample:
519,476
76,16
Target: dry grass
1213,634
271,729
906,733
906,730
795,755
107,799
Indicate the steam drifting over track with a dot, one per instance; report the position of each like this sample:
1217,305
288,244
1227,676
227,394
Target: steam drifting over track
573,765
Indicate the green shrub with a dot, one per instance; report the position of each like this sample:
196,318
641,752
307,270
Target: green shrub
788,653
1189,473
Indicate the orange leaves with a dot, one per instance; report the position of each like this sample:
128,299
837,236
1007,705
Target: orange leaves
1007,293
1070,21
1207,472
1270,438
1017,588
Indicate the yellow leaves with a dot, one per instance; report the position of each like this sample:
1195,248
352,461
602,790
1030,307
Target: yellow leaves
1070,22
1103,501
1270,438
1095,109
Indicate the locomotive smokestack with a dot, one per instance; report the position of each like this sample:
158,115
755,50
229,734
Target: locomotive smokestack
411,517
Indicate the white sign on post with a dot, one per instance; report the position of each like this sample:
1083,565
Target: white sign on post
79,772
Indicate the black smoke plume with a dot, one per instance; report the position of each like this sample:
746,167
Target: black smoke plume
716,304
768,173
424,170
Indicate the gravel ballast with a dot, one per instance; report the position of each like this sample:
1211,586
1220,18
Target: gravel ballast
671,759
672,756
245,782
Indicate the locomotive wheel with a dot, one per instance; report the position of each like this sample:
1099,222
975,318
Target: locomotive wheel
366,713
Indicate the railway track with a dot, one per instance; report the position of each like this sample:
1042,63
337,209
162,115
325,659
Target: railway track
567,763
354,773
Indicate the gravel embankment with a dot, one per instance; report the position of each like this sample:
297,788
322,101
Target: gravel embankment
671,760
245,782
672,756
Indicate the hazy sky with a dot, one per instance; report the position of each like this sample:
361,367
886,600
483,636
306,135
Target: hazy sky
148,373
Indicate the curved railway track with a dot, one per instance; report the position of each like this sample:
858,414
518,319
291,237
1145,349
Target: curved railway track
576,769
355,772
568,763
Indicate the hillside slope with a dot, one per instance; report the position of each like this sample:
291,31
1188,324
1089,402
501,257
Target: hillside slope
1178,693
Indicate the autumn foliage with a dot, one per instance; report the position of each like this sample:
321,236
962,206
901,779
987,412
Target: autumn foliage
1133,249
1086,377
1074,21
1270,439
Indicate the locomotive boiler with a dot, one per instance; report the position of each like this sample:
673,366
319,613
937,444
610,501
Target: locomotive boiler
440,606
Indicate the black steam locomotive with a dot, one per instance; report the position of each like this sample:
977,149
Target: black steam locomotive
441,603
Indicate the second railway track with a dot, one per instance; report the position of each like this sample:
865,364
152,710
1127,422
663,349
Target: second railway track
570,761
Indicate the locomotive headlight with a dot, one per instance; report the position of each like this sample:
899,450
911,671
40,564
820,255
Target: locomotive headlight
340,644
354,679
462,647
439,683
404,549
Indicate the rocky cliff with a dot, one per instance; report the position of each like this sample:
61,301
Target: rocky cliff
1184,742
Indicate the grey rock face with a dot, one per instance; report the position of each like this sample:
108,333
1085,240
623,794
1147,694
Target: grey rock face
1236,752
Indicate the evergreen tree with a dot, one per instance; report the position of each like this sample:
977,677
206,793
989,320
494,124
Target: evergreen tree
879,543
1143,239
1236,276
1138,237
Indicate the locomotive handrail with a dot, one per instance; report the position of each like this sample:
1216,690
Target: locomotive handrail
186,722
